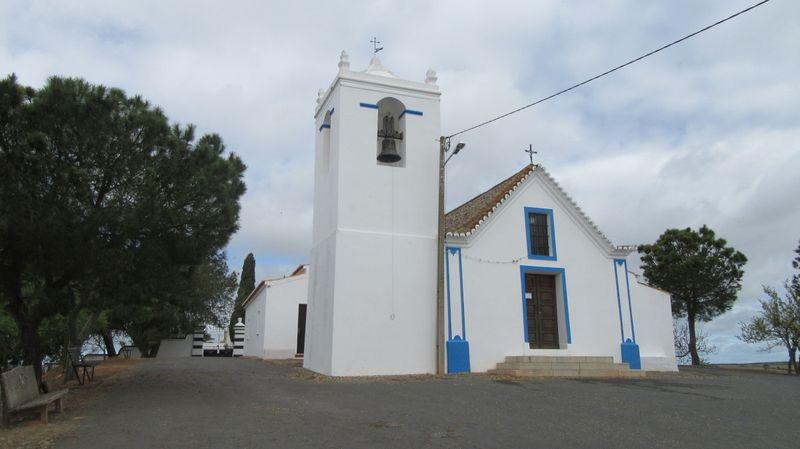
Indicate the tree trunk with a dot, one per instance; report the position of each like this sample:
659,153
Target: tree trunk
793,361
108,340
32,352
690,316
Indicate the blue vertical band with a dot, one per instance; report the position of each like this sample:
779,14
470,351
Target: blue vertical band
449,308
619,301
461,287
630,306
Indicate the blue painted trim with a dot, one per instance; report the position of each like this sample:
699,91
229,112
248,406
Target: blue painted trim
324,125
409,111
532,269
449,307
549,212
331,111
619,301
368,105
630,306
461,286
457,356
630,354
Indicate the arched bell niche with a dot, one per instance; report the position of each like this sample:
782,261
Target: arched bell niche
325,130
391,144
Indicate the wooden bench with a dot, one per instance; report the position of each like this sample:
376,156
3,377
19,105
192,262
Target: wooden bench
21,393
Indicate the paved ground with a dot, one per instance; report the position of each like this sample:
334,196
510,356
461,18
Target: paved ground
240,403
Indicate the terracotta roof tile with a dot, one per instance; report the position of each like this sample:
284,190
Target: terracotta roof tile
467,216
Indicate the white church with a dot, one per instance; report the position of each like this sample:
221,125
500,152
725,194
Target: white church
531,283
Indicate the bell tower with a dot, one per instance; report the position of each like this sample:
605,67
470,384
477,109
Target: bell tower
372,292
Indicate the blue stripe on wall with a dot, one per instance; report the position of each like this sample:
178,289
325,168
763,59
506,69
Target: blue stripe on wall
455,250
410,111
368,105
461,287
630,307
619,301
449,308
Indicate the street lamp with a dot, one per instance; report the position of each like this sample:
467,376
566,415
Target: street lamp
444,148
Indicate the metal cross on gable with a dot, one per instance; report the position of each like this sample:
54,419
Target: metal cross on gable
375,43
531,152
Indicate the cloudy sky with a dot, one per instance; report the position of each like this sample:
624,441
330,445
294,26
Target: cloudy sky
707,132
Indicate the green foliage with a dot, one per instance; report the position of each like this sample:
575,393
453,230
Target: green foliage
247,284
701,273
9,341
103,201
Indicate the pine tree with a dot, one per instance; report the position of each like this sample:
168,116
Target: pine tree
247,284
702,274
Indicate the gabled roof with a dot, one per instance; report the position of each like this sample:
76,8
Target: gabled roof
465,220
299,271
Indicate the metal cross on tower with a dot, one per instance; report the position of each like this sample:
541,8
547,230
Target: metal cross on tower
531,152
375,43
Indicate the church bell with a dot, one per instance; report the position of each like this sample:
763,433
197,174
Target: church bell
388,151
389,140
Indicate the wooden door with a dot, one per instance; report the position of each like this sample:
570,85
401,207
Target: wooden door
542,311
301,328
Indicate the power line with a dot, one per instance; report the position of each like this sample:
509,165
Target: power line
611,70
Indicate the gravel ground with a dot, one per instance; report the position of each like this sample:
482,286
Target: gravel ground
242,403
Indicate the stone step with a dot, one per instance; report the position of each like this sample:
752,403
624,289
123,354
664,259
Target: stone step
560,358
569,373
560,365
564,366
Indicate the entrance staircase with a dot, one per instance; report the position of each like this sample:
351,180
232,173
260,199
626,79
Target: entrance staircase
564,366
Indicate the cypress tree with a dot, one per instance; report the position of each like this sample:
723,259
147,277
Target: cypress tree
247,283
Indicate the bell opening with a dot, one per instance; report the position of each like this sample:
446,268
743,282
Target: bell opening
391,133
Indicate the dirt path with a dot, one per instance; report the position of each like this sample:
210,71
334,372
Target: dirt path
241,403
27,432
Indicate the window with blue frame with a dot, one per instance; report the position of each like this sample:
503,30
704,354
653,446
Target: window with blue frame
540,233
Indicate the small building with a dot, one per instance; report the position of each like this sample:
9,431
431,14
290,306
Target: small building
275,317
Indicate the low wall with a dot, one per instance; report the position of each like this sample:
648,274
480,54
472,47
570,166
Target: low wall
175,347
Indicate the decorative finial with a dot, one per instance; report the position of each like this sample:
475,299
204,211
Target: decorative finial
320,95
375,43
430,77
531,152
344,62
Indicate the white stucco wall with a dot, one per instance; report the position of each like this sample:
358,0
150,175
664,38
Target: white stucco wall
373,290
254,324
271,318
653,325
283,299
493,301
175,347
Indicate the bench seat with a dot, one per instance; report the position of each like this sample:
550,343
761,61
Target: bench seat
45,399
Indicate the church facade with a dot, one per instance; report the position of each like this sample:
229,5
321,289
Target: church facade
527,273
